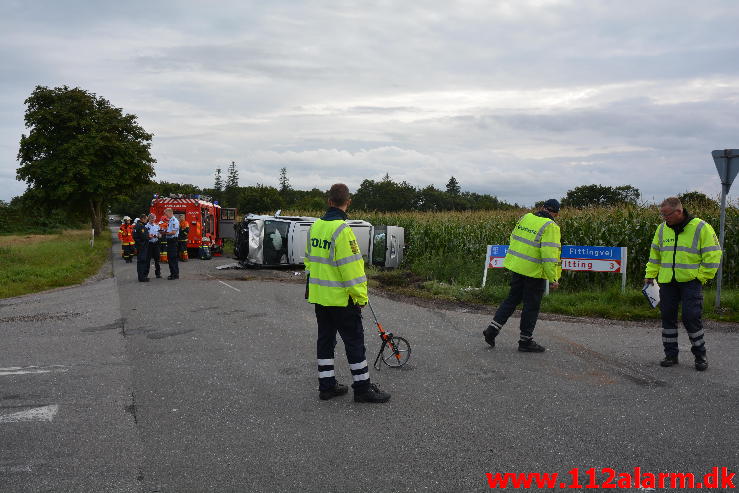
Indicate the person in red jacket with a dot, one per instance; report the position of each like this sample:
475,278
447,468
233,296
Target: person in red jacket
125,234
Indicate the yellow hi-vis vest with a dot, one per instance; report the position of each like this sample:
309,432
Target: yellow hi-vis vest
694,254
535,248
336,265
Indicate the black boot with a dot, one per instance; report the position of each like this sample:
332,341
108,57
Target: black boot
491,333
371,394
334,391
669,361
530,346
701,363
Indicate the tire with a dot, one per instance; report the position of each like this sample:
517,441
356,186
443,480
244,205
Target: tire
396,352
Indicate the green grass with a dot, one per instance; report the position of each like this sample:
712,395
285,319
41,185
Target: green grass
37,263
602,302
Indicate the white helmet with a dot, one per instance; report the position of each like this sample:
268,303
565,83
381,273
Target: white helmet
126,218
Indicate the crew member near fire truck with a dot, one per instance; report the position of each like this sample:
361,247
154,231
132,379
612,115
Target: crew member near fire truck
125,234
173,245
685,254
184,233
153,228
337,286
163,239
141,236
533,258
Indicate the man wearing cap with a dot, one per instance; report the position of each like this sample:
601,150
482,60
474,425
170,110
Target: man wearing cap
533,258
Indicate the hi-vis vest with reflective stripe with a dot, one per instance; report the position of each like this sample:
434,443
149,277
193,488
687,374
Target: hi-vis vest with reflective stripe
335,263
535,248
695,255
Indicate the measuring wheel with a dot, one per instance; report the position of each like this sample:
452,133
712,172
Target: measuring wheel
396,352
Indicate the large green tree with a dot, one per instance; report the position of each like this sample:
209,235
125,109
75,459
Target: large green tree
81,152
600,195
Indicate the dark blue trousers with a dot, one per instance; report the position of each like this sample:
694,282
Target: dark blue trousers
142,260
690,294
347,321
530,290
173,251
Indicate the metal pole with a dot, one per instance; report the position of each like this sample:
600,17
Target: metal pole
624,262
724,192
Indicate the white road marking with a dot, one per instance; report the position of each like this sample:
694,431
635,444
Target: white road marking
235,289
10,469
44,413
25,370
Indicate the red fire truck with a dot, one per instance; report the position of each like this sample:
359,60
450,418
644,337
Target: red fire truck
209,222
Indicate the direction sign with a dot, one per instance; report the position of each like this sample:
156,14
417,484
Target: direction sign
574,258
727,165
591,252
591,265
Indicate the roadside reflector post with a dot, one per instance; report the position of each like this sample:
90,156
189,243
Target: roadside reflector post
727,165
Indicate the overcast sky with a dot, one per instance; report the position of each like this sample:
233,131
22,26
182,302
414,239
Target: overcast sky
522,99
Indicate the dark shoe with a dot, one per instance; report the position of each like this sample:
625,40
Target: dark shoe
159,276
334,391
530,346
172,278
668,361
490,334
701,363
144,280
371,394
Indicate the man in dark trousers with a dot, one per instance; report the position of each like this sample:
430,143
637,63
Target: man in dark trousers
141,237
337,286
685,254
153,229
533,258
173,246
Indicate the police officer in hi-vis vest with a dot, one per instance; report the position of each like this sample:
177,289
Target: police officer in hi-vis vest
337,286
685,254
534,259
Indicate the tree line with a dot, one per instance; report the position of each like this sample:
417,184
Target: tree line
83,158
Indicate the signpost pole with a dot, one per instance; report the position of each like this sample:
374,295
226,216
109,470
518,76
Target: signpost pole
727,165
485,269
624,259
722,222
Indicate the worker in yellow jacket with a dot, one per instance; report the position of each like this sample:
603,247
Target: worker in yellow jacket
533,258
685,253
337,286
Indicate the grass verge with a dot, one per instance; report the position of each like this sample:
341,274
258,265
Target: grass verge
33,263
603,302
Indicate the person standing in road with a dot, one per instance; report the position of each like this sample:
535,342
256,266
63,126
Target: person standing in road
153,228
685,254
184,233
337,286
125,234
173,245
534,259
141,237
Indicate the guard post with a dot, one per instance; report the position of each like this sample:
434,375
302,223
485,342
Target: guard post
727,165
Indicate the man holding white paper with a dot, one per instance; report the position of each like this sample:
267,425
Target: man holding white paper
685,254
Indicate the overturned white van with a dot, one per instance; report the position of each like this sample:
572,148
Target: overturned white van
272,241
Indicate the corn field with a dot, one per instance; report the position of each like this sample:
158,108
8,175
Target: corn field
451,246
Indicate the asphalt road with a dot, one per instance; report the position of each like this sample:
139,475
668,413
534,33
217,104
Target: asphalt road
209,383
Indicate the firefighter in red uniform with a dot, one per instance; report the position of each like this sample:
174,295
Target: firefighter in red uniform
163,222
125,234
184,232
